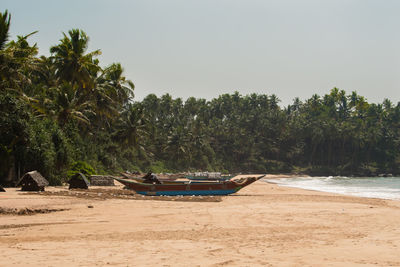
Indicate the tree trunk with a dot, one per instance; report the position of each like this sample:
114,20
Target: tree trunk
11,173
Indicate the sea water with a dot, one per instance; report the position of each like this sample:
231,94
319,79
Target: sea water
372,187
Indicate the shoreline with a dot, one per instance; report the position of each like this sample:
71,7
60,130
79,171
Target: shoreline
381,192
291,175
279,176
262,225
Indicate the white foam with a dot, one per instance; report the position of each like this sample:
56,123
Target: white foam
384,188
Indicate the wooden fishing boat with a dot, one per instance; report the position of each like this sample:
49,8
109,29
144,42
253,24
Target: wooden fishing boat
189,188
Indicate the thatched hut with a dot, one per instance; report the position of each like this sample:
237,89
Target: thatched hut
102,180
2,189
79,181
33,181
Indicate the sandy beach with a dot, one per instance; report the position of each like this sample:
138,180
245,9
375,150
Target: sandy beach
261,225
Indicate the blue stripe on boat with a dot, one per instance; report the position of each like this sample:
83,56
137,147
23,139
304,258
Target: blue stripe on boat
188,193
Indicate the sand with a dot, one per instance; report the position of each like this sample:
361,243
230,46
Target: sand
261,225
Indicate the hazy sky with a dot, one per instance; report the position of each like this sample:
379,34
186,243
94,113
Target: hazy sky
206,48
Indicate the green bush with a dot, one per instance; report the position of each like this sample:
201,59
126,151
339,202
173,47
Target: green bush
82,167
158,167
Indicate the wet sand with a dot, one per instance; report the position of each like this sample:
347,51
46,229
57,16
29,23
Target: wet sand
261,225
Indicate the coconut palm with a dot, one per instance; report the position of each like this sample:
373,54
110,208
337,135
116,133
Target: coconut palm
72,62
132,127
17,63
121,89
111,92
68,107
5,19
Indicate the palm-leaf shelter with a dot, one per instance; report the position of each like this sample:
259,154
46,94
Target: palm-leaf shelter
79,181
33,181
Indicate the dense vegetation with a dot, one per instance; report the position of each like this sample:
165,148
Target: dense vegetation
65,113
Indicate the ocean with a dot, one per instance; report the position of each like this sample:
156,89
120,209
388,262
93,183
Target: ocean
372,187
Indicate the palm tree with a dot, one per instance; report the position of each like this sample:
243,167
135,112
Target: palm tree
72,64
67,106
111,92
5,19
132,127
17,63
121,89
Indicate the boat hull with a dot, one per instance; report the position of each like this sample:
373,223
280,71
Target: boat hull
188,193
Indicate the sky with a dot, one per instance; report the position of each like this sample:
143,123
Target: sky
205,48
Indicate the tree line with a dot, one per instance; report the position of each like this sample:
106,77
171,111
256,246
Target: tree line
66,112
